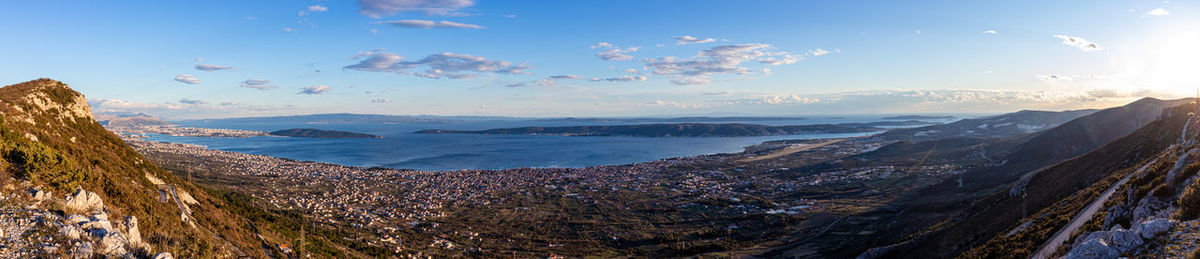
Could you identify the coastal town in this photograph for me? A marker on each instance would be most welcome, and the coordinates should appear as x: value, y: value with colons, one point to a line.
x: 511, y: 211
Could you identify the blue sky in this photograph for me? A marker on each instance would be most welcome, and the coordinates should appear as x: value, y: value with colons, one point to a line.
x: 548, y: 58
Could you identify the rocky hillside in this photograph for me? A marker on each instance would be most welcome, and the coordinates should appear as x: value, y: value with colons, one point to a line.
x: 70, y: 188
x: 1015, y: 220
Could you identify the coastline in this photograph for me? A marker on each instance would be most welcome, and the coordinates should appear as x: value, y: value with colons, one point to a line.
x: 391, y: 206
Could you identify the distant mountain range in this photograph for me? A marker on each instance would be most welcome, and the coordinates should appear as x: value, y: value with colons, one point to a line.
x: 316, y: 133
x: 689, y: 129
x: 918, y: 117
x: 671, y: 119
x: 346, y: 118
x: 1004, y: 125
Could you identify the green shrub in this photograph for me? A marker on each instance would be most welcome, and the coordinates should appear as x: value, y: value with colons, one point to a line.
x: 1189, y: 203
x: 39, y: 164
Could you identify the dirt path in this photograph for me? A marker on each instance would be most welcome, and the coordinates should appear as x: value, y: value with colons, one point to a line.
x: 790, y: 150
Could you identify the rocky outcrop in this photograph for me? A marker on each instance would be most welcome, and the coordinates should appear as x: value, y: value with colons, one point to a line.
x: 1154, y: 227
x: 1151, y: 207
x: 1118, y: 240
x: 91, y: 236
x: 1093, y: 248
x: 84, y: 201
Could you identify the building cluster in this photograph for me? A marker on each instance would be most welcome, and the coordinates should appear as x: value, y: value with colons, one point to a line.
x: 387, y: 201
x: 172, y: 130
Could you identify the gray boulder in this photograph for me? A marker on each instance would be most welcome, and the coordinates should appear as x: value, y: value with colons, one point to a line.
x: 1152, y: 228
x: 1093, y: 248
x: 1124, y: 239
x: 1150, y: 207
x: 113, y: 244
x: 84, y: 201
x: 72, y: 232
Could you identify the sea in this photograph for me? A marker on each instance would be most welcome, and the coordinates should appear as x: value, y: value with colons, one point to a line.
x: 401, y: 148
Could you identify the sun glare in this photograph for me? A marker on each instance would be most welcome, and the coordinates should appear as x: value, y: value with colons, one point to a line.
x: 1168, y: 64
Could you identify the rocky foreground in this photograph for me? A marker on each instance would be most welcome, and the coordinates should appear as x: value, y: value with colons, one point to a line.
x: 36, y: 223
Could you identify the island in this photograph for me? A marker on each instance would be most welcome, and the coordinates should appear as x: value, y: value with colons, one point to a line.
x: 688, y: 129
x: 316, y: 133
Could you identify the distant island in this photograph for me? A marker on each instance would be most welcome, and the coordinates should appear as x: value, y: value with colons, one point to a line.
x: 918, y: 117
x: 689, y: 129
x: 316, y: 133
x: 695, y: 119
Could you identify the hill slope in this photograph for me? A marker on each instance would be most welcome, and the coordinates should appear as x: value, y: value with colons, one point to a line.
x: 52, y: 143
x: 1090, y: 148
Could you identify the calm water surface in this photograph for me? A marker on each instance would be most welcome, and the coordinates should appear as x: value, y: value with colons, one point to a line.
x: 401, y: 148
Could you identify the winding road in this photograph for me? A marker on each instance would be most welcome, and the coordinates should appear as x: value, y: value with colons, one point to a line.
x: 1086, y: 215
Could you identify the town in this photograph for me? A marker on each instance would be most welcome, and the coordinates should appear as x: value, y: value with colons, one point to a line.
x: 514, y: 211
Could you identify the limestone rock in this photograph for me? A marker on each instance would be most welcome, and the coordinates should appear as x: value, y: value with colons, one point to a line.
x: 38, y: 195
x: 1151, y: 228
x: 71, y: 231
x: 113, y: 244
x: 82, y: 250
x: 1150, y: 207
x: 76, y: 219
x: 1094, y: 248
x: 84, y: 201
x: 132, y: 233
x: 1124, y: 239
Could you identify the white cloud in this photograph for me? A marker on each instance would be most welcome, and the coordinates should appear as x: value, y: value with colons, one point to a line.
x: 313, y: 9
x: 287, y: 29
x: 187, y: 79
x: 1082, y: 44
x: 621, y: 79
x: 382, y: 100
x: 553, y: 80
x: 726, y: 59
x: 903, y: 101
x: 614, y: 53
x: 1058, y: 78
x: 380, y: 8
x: 207, y: 67
x: 1158, y: 12
x: 192, y: 102
x: 442, y: 65
x: 260, y: 84
x: 111, y: 104
x: 687, y: 39
x: 818, y: 52
x: 566, y: 77
x: 676, y: 104
x: 777, y: 99
x: 427, y: 24
x: 311, y: 90
x: 989, y: 32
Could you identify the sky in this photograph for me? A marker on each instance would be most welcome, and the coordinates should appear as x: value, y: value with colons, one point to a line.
x: 211, y: 59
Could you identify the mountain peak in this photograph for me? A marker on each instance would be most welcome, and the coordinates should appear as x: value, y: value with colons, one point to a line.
x: 45, y: 98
